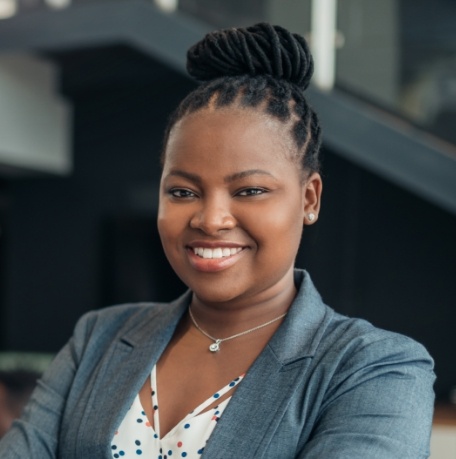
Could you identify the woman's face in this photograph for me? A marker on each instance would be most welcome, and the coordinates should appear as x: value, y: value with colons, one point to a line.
x: 233, y: 204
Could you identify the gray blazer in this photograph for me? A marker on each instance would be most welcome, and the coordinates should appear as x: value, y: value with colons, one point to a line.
x: 324, y: 387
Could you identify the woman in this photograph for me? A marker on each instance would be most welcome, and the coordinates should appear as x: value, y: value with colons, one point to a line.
x: 249, y: 362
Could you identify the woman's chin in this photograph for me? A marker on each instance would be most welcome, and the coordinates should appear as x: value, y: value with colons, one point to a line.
x: 210, y: 295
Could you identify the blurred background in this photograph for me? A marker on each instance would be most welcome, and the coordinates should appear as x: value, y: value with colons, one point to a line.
x: 86, y: 87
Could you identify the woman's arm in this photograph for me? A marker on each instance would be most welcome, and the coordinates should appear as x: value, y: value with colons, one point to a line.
x: 379, y: 405
x: 36, y: 434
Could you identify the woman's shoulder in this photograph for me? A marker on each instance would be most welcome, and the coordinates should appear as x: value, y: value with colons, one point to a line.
x: 120, y: 312
x: 360, y: 339
x: 126, y: 319
x: 347, y: 339
x: 353, y: 349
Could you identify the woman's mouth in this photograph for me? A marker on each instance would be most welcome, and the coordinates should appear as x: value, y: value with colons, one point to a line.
x: 218, y: 252
x: 214, y: 259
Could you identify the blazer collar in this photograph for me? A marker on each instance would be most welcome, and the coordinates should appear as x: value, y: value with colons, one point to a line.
x: 123, y: 371
x: 301, y: 331
x: 158, y: 324
x: 262, y: 399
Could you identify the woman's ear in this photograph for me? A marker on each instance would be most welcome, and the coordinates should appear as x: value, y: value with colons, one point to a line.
x: 312, y: 189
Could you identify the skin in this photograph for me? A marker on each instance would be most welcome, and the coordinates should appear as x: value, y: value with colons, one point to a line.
x: 6, y: 416
x: 228, y: 181
x: 9, y: 410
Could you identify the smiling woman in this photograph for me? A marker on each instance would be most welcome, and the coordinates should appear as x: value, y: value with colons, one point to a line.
x: 230, y: 181
x: 249, y: 362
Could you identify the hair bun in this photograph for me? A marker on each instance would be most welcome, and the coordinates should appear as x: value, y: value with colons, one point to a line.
x: 261, y: 49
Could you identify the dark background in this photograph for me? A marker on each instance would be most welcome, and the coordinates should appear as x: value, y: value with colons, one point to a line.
x: 71, y: 244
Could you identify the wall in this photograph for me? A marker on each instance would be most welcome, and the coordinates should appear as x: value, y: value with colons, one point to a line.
x: 53, y: 252
x: 381, y: 253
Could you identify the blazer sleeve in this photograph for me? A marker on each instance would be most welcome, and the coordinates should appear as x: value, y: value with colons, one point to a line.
x: 36, y: 434
x: 378, y: 406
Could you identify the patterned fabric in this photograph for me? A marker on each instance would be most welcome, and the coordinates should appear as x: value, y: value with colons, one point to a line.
x: 137, y: 437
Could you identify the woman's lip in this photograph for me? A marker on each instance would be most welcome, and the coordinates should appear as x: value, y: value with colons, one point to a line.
x: 215, y: 244
x: 212, y: 265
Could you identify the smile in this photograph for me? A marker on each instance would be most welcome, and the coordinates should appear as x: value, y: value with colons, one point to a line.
x: 218, y: 252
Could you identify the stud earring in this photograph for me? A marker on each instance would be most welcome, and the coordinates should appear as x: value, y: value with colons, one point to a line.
x: 311, y: 217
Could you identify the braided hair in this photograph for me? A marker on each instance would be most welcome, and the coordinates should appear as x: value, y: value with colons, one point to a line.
x: 261, y: 66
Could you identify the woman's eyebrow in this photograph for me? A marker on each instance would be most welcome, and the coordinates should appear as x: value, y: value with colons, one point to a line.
x: 243, y: 174
x: 188, y: 175
x: 229, y: 178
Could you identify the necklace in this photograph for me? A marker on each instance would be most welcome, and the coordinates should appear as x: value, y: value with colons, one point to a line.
x: 215, y: 346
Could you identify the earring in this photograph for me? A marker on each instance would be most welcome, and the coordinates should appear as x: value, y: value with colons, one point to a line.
x: 311, y: 217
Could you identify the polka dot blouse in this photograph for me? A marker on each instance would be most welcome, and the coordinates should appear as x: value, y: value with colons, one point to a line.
x: 136, y: 437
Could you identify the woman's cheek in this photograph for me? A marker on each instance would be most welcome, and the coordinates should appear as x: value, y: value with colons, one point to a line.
x: 281, y: 218
x: 166, y: 230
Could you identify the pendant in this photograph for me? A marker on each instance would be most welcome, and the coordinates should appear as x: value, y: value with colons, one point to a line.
x: 215, y: 347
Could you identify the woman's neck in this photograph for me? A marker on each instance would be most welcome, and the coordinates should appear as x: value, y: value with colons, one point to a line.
x: 223, y: 319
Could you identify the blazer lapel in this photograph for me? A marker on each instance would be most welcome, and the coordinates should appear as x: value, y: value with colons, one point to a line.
x: 123, y: 372
x: 253, y: 415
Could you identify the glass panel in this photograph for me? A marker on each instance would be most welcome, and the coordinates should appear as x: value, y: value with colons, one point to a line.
x: 222, y: 13
x: 401, y: 54
x: 428, y: 64
x: 398, y: 54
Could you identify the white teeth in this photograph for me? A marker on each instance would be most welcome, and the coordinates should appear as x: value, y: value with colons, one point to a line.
x: 216, y: 253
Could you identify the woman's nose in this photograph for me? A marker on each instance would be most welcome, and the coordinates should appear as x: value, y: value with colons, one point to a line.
x: 213, y: 216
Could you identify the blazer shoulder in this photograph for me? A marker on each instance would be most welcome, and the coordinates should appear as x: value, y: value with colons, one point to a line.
x: 117, y: 316
x: 359, y: 340
x: 98, y: 329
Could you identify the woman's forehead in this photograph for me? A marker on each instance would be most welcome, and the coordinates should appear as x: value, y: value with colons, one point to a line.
x: 230, y: 132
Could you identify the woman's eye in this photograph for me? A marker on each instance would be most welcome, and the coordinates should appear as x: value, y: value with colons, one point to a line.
x: 181, y: 193
x: 251, y: 191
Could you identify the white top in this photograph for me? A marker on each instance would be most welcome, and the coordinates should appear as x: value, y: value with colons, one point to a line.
x: 137, y: 437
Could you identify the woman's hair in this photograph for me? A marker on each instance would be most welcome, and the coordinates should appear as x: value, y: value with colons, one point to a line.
x: 261, y: 66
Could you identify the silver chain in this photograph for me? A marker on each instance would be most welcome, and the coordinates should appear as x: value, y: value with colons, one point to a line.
x: 216, y: 345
